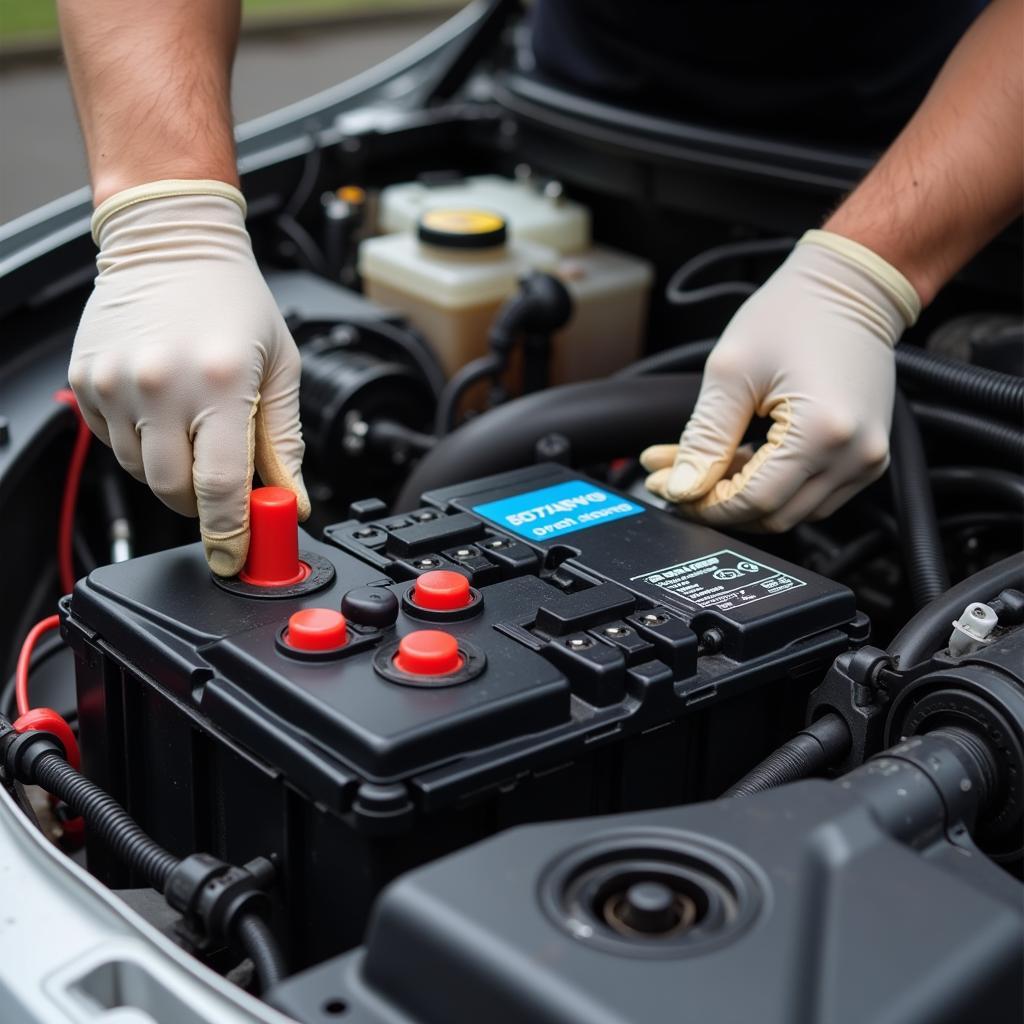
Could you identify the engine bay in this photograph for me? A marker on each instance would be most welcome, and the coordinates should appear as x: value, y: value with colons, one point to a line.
x: 497, y: 732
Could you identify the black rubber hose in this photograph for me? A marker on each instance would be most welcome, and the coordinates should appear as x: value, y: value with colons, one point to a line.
x: 928, y: 631
x: 602, y: 419
x: 107, y: 819
x: 1002, y: 439
x: 991, y: 392
x: 256, y: 938
x: 810, y: 752
x: 688, y: 358
x: 981, y: 481
x: 920, y: 540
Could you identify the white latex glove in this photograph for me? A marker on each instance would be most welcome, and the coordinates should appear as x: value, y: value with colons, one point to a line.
x: 182, y: 362
x: 812, y: 349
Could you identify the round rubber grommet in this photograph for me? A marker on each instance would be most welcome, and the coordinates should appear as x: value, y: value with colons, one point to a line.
x: 320, y: 575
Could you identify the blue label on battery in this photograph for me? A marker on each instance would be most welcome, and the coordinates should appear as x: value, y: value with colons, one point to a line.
x: 558, y: 510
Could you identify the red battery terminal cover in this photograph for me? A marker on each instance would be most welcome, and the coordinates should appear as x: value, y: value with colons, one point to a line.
x: 273, y: 559
x: 442, y: 591
x: 316, y: 629
x: 428, y: 652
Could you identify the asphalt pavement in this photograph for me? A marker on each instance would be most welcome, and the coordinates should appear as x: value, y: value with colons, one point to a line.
x: 41, y: 154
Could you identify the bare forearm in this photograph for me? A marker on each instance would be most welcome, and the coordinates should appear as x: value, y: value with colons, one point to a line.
x: 152, y: 85
x: 955, y: 175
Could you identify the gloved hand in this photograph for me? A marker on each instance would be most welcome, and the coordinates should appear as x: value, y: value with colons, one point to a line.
x: 812, y: 349
x: 182, y: 362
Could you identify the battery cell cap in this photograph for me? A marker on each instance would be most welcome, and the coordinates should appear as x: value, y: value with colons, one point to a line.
x: 316, y: 629
x: 428, y: 652
x: 273, y: 559
x: 442, y: 591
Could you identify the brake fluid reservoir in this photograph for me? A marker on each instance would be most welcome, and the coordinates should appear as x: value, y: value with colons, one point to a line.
x: 450, y: 276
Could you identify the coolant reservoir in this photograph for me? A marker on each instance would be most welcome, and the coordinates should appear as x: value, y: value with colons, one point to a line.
x: 610, y: 291
x: 452, y: 274
x: 532, y: 214
x: 450, y: 277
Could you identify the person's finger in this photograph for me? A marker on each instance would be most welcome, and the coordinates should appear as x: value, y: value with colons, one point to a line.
x: 709, y: 441
x: 80, y: 379
x: 765, y: 483
x: 124, y: 440
x: 94, y: 420
x: 167, y: 462
x: 223, y: 444
x: 841, y: 495
x: 658, y: 480
x: 278, y: 439
x: 814, y: 491
x: 658, y: 456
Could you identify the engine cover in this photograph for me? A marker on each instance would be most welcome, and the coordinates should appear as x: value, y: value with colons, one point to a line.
x: 605, y: 657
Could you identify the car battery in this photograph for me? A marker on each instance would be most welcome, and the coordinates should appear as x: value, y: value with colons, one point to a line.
x: 525, y: 647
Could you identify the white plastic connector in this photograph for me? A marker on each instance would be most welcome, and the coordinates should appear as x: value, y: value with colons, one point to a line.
x: 973, y: 629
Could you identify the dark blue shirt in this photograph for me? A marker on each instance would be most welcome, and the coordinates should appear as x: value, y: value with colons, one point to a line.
x: 829, y: 71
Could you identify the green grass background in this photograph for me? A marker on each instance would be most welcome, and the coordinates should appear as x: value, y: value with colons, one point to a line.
x: 37, y: 19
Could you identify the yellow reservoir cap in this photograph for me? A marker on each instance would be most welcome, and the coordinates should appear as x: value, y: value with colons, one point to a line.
x: 351, y: 194
x: 462, y: 228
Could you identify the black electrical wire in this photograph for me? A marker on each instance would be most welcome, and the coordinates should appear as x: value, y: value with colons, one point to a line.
x: 307, y: 177
x: 810, y: 752
x: 312, y: 258
x: 920, y: 540
x: 997, y: 484
x: 413, y: 346
x: 677, y: 295
x: 855, y: 552
x: 287, y: 219
x: 256, y: 938
x: 875, y: 541
x: 387, y: 434
x: 988, y: 435
x: 126, y: 839
x: 489, y: 365
x: 107, y: 819
x: 928, y: 631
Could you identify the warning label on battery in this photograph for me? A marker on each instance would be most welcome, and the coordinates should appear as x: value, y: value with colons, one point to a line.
x: 722, y: 580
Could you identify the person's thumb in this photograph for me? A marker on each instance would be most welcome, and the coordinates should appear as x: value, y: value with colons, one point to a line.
x: 708, y: 443
x: 279, y: 445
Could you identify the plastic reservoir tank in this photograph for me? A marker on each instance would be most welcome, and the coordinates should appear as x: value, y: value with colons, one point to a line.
x: 456, y: 252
